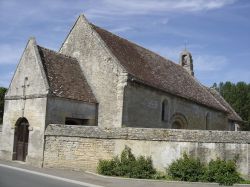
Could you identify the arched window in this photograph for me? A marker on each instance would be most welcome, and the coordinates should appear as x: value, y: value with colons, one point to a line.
x: 164, y: 110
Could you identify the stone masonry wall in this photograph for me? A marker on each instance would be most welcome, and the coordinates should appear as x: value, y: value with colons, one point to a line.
x: 34, y: 112
x: 59, y: 108
x: 140, y: 100
x: 32, y: 107
x: 103, y: 73
x: 80, y: 148
x: 76, y: 153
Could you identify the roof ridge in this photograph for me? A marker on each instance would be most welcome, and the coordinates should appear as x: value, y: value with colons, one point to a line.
x: 57, y: 53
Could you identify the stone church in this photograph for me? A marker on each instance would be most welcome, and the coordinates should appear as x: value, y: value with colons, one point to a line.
x: 100, y: 79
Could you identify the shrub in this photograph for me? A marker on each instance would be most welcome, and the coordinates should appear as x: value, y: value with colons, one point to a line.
x: 223, y: 172
x: 109, y: 167
x: 127, y: 166
x: 159, y: 175
x: 143, y: 168
x: 186, y: 169
x: 191, y: 169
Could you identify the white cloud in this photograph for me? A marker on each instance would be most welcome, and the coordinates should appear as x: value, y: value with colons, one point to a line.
x: 121, y: 29
x: 173, y: 52
x: 209, y: 63
x: 58, y: 13
x: 140, y: 7
x: 202, y: 62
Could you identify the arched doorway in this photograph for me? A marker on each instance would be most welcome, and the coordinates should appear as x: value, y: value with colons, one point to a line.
x: 21, y: 139
x: 177, y: 125
x: 179, y: 121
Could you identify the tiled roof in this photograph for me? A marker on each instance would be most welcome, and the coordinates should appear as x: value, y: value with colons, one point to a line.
x: 232, y: 114
x: 153, y: 70
x: 65, y: 77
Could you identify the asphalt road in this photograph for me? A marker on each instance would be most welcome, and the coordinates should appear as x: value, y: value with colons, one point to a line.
x: 13, y: 174
x: 16, y: 177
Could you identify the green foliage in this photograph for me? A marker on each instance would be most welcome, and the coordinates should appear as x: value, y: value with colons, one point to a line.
x: 128, y: 166
x: 223, y: 172
x: 2, y: 94
x: 186, y: 169
x: 238, y: 96
x: 161, y: 176
x: 109, y: 167
x: 245, y: 182
x: 191, y: 169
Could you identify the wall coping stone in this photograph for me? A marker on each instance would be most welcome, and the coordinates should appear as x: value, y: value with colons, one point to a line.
x: 148, y: 134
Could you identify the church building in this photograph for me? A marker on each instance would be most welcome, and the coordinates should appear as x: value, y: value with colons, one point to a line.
x: 99, y: 79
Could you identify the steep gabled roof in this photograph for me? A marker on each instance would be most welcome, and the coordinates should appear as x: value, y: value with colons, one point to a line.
x: 155, y: 71
x: 232, y: 114
x: 66, y: 80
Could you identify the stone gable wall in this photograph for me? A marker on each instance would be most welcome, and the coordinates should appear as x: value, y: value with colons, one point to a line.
x: 80, y: 148
x: 30, y: 66
x: 32, y: 107
x: 103, y: 73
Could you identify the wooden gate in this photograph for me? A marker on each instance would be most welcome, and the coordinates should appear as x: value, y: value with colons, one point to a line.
x: 21, y: 140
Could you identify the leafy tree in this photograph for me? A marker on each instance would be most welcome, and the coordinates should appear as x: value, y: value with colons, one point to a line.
x: 2, y: 94
x: 238, y: 96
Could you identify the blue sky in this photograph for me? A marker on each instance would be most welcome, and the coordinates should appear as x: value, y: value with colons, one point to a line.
x: 217, y: 31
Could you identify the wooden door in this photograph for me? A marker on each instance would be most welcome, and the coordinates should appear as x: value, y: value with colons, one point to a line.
x: 21, y: 141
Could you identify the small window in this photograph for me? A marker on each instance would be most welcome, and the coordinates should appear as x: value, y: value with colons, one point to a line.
x: 164, y: 111
x: 76, y: 121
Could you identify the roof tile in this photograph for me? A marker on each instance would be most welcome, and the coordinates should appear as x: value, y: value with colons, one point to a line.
x: 65, y: 77
x: 151, y: 69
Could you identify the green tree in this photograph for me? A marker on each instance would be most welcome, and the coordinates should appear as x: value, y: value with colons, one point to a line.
x: 2, y: 94
x: 238, y: 96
